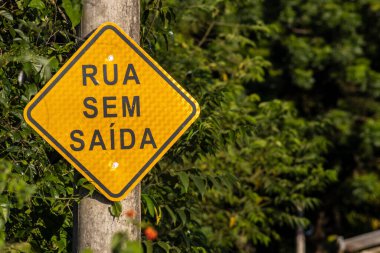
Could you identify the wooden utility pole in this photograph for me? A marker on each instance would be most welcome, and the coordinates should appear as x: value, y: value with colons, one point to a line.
x: 94, y: 225
x: 300, y: 241
x: 300, y: 235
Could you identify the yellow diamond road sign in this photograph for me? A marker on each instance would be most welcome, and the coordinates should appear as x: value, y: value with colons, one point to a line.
x: 111, y: 111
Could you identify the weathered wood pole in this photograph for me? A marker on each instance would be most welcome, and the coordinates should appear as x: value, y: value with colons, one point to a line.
x: 94, y: 225
x: 300, y: 241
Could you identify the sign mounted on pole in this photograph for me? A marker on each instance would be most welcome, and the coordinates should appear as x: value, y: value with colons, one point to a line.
x: 111, y: 111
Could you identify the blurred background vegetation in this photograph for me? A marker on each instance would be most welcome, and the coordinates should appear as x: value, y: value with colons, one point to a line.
x: 288, y: 137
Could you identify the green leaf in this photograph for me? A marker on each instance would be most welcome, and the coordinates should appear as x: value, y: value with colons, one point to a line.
x: 133, y: 247
x: 176, y: 249
x: 149, y: 203
x: 6, y: 15
x: 184, y: 178
x: 215, y: 183
x: 19, y: 247
x: 164, y: 246
x: 199, y: 249
x: 73, y: 10
x: 31, y: 90
x: 90, y: 187
x: 200, y: 183
x: 22, y: 35
x: 38, y: 4
x: 116, y: 209
x: 81, y: 181
x: 172, y: 214
x: 148, y: 246
x: 4, y: 210
x: 182, y: 215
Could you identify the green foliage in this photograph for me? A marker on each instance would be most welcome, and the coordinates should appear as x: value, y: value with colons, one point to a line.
x: 247, y: 167
x: 289, y: 130
x: 279, y: 167
x: 15, y: 192
x: 120, y: 244
x: 115, y: 209
x: 37, y: 185
x: 325, y: 59
x: 73, y: 10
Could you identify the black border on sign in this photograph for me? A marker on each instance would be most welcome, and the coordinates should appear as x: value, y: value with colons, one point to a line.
x: 67, y: 68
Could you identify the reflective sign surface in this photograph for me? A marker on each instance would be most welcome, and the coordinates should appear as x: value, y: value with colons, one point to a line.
x: 111, y: 111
